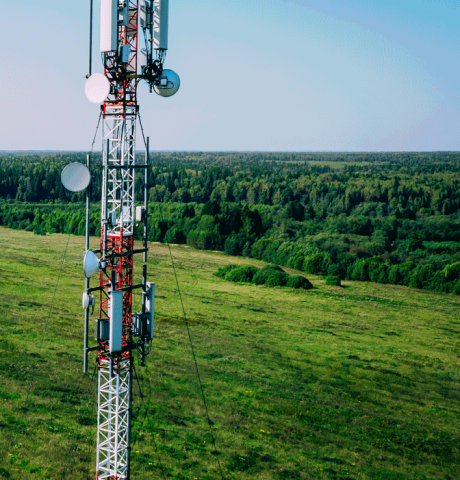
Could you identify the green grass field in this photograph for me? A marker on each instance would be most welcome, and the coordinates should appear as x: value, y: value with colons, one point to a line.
x: 353, y: 382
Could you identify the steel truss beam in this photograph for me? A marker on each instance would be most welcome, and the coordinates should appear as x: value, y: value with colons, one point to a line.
x: 114, y: 392
x: 119, y: 133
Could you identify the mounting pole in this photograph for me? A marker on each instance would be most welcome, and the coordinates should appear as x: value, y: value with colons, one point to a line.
x: 143, y: 317
x: 85, y: 337
x: 105, y: 187
x: 90, y: 37
x: 146, y: 198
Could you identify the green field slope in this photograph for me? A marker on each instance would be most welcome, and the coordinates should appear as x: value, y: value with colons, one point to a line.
x: 353, y: 382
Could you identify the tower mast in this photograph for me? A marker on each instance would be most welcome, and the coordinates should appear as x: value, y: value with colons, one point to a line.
x: 114, y: 358
x: 119, y: 330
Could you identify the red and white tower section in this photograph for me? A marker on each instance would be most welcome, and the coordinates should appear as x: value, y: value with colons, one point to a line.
x: 119, y: 330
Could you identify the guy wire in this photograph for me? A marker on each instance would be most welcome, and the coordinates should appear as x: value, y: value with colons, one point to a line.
x: 141, y: 428
x: 194, y: 357
x: 95, y: 133
x: 189, y: 335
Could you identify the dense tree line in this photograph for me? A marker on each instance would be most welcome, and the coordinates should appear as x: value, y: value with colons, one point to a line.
x: 384, y: 217
x: 338, y: 182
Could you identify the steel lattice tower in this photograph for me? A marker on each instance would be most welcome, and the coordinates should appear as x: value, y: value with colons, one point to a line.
x: 118, y: 330
x: 119, y: 158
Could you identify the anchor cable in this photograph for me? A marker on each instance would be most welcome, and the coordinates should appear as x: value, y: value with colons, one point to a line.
x: 194, y: 359
x: 190, y: 337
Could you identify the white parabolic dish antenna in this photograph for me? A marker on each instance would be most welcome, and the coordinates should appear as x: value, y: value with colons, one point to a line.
x: 75, y: 177
x: 90, y: 264
x: 168, y: 83
x: 97, y: 87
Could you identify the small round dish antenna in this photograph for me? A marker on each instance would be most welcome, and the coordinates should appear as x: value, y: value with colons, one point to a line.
x: 75, y: 177
x: 97, y: 87
x: 91, y: 264
x: 87, y: 301
x: 167, y: 83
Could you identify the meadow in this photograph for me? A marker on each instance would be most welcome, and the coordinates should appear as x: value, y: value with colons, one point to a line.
x: 354, y: 382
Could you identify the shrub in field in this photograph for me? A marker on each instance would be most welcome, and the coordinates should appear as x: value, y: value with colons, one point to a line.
x: 261, y: 276
x: 222, y: 271
x: 245, y: 273
x: 276, y: 279
x: 297, y: 281
x: 333, y: 280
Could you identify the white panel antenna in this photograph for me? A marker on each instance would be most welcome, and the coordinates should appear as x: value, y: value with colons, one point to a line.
x: 161, y: 15
x: 116, y: 320
x: 75, y: 177
x: 109, y: 25
x: 140, y: 212
x: 150, y: 308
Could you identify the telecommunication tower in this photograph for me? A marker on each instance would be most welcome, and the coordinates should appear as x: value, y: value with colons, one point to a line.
x: 118, y: 330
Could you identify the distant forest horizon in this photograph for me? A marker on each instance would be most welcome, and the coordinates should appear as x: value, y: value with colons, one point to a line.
x: 386, y: 217
x: 352, y: 152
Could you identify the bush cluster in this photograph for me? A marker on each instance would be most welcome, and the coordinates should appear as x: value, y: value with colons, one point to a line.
x: 270, y: 276
x: 333, y: 280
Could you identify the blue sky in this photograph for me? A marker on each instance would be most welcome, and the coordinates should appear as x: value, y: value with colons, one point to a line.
x: 302, y: 75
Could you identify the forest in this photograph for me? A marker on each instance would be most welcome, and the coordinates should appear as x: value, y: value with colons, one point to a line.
x: 380, y: 217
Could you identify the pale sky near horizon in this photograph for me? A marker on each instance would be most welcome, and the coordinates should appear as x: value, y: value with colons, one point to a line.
x: 263, y: 75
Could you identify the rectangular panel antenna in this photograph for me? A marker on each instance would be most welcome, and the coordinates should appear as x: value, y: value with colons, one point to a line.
x: 109, y: 25
x: 161, y: 14
x: 116, y: 319
x: 150, y: 307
